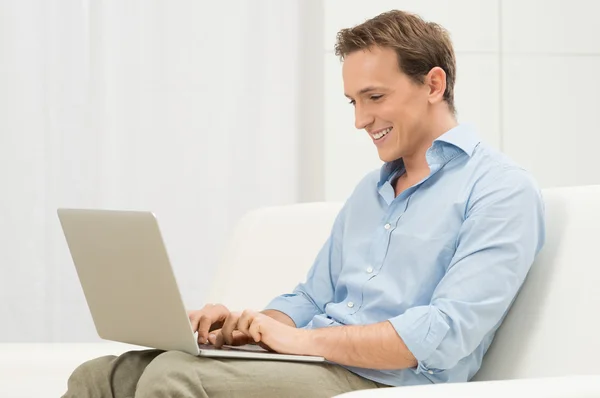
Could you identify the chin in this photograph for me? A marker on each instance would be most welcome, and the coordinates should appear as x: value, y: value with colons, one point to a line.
x: 388, y: 157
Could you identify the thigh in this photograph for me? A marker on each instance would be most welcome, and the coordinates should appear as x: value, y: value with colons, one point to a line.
x: 183, y: 375
x: 109, y: 376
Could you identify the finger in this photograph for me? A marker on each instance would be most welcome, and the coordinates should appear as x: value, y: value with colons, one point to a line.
x: 240, y: 338
x: 194, y: 319
x: 203, y: 329
x: 245, y: 321
x: 209, y: 318
x: 217, y: 313
x: 219, y: 340
x: 254, y: 330
x: 212, y: 337
x: 229, y: 326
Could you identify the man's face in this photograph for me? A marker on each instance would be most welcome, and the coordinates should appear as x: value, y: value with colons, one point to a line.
x: 388, y: 104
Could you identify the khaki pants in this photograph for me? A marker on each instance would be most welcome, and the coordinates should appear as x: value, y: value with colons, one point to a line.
x: 155, y: 373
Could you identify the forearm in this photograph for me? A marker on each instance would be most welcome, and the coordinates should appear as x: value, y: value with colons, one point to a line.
x: 376, y: 346
x: 280, y: 316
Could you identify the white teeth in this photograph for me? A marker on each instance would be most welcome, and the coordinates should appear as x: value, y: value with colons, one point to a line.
x: 381, y: 134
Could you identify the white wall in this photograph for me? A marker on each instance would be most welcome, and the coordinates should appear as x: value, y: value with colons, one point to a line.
x: 550, y: 88
x: 135, y: 105
x: 527, y: 79
x: 160, y: 106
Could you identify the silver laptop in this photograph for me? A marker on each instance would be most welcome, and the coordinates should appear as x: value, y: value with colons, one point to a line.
x: 130, y: 288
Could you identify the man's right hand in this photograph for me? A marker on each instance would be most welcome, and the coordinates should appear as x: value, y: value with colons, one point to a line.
x: 208, y: 323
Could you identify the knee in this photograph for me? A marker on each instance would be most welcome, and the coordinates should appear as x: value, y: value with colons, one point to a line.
x: 94, y: 368
x: 91, y: 373
x: 169, y: 361
x: 170, y: 374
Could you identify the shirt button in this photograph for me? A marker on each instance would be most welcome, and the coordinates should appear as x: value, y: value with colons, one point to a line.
x: 350, y: 304
x: 387, y: 226
x: 430, y: 372
x: 369, y: 270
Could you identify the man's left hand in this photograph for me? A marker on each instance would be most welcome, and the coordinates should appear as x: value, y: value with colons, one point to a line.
x: 267, y: 332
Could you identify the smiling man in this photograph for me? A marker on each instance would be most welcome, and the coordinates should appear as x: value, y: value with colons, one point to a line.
x: 422, y: 264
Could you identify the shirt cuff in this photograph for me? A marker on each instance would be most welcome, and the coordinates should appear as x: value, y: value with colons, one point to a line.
x: 422, y: 329
x: 296, y: 306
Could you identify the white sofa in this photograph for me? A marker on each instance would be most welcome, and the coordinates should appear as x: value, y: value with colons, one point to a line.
x: 547, y: 346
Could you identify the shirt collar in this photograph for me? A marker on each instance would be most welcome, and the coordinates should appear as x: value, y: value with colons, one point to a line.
x: 462, y: 137
x: 388, y: 169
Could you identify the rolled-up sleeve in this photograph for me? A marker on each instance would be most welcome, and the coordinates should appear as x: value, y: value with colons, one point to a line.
x: 310, y: 297
x: 502, y: 233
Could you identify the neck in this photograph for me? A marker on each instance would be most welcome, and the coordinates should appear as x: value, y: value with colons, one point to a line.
x: 415, y: 163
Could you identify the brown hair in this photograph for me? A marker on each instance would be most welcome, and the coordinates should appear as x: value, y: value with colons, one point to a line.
x: 419, y: 45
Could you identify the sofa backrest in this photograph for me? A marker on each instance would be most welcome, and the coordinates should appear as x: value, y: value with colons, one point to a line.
x: 552, y: 328
x: 270, y: 252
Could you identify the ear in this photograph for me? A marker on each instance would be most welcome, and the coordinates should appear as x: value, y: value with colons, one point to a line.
x: 436, y: 81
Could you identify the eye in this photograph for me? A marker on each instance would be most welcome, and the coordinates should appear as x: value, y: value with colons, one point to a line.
x: 376, y: 97
x: 352, y: 102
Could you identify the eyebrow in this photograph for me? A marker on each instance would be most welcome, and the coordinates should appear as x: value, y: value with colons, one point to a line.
x: 367, y: 90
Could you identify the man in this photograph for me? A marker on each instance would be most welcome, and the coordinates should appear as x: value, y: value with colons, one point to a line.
x: 422, y: 264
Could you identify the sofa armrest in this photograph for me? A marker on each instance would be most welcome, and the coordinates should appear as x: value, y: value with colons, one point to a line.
x: 551, y: 387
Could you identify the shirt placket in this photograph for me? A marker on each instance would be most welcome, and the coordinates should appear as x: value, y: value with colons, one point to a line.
x: 383, y: 234
x: 381, y: 240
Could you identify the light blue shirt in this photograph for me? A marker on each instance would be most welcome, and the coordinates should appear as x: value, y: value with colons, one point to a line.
x: 442, y: 262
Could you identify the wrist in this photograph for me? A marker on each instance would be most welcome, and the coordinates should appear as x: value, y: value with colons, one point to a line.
x: 311, y: 342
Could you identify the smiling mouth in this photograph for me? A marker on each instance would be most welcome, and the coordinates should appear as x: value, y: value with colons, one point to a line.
x: 381, y: 134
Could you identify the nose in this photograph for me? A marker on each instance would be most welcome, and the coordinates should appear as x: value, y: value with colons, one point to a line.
x: 361, y: 118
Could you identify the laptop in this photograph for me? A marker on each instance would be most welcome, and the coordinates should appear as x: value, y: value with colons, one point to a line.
x: 129, y: 285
